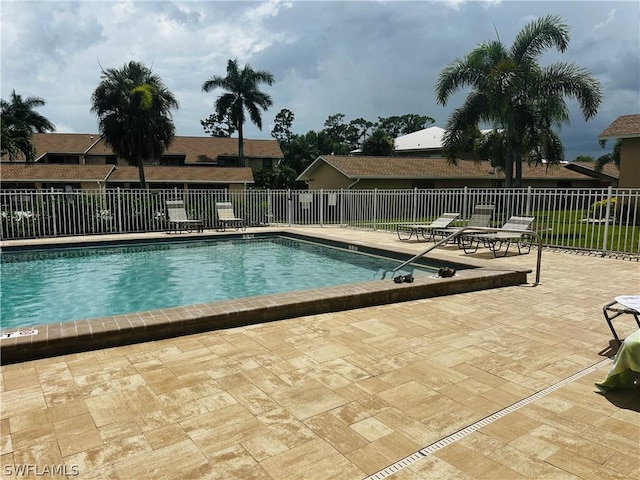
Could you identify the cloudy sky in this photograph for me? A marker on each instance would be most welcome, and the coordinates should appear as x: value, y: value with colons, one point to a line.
x: 365, y: 59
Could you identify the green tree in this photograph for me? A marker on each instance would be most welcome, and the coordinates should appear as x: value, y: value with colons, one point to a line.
x: 19, y: 121
x: 218, y: 126
x: 613, y: 157
x: 282, y: 126
x: 513, y: 93
x: 584, y: 159
x: 396, y: 126
x: 361, y: 128
x: 378, y: 144
x: 242, y: 92
x: 133, y: 107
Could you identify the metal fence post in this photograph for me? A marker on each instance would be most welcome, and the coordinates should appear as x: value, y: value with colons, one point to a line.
x: 375, y: 209
x: 414, y: 216
x: 605, y: 240
x: 528, y: 208
x: 320, y: 207
x: 119, y: 209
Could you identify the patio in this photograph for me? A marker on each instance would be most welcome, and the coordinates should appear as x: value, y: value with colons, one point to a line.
x: 348, y: 394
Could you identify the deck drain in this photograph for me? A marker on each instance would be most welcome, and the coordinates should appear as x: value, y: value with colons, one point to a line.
x: 454, y: 437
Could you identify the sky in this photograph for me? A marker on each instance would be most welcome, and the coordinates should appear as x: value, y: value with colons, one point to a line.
x: 364, y: 59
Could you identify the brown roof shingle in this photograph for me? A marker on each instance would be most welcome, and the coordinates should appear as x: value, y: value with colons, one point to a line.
x: 195, y: 149
x: 35, y: 172
x: 51, y: 172
x: 171, y: 174
x: 421, y: 167
x: 625, y: 126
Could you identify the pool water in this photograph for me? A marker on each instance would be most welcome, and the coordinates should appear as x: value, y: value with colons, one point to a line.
x: 72, y: 284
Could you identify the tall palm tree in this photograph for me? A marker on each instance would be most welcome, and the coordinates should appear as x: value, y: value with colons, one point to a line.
x: 242, y: 93
x: 133, y: 107
x: 510, y: 90
x: 19, y: 120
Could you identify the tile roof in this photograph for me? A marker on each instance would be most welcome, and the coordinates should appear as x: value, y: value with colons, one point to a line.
x: 625, y: 126
x: 420, y: 167
x: 50, y: 172
x: 35, y: 172
x: 195, y: 149
x: 188, y: 174
x: 610, y: 170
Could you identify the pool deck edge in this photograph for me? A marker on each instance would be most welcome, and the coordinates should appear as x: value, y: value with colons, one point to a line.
x: 93, y: 334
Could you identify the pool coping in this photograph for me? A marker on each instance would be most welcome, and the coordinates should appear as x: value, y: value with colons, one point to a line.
x: 41, y: 341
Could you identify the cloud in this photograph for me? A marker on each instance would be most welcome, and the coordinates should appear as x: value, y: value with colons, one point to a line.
x: 361, y: 58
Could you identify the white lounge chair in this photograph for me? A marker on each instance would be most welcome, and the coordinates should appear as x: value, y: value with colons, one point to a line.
x: 178, y: 219
x: 629, y: 304
x: 496, y: 240
x: 428, y: 231
x: 481, y: 217
x: 227, y: 217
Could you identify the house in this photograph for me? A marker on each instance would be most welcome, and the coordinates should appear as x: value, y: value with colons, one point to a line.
x: 189, y: 162
x: 361, y: 172
x: 627, y: 129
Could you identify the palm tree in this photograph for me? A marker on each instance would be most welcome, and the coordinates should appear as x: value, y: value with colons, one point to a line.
x: 242, y: 93
x: 19, y: 121
x: 513, y: 93
x: 133, y: 107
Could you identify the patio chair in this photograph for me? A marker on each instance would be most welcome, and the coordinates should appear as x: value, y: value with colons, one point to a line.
x: 629, y: 304
x: 481, y: 217
x: 495, y: 241
x: 178, y: 220
x: 227, y: 217
x: 427, y: 232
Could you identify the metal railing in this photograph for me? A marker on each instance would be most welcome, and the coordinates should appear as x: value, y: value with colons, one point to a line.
x: 601, y: 220
x: 462, y: 231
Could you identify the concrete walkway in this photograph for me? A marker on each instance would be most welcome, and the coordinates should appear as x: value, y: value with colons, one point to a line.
x: 347, y: 395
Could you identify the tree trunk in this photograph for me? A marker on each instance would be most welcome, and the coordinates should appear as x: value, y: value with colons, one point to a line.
x: 518, y: 160
x: 143, y: 183
x: 508, y: 168
x: 241, y: 161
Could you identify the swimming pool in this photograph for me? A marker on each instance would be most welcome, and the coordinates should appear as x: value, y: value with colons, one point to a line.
x: 52, y: 286
x: 26, y: 343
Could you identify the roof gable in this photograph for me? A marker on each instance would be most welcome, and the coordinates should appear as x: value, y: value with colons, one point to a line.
x: 625, y: 126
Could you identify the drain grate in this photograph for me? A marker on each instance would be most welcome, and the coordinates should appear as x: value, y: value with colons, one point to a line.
x: 454, y: 437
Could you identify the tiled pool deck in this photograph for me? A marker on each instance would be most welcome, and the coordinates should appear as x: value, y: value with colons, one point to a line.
x: 347, y: 394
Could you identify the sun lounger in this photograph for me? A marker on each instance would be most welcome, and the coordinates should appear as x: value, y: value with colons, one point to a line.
x: 481, y: 217
x: 227, y: 217
x: 178, y: 219
x: 495, y: 241
x: 629, y: 304
x: 427, y: 232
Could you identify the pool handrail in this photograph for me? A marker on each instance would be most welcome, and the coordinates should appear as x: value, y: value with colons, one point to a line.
x: 457, y: 234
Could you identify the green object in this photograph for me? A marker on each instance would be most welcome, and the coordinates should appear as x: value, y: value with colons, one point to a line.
x: 626, y: 365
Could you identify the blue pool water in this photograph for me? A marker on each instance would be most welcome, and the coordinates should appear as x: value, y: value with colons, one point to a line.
x: 71, y: 284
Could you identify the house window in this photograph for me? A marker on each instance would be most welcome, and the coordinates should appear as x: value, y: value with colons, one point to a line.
x: 267, y: 163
